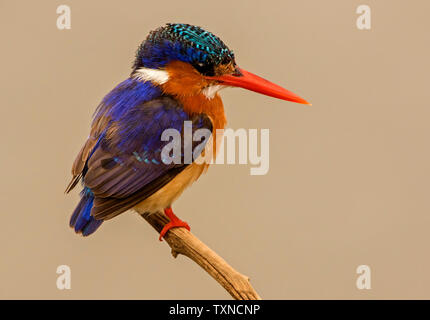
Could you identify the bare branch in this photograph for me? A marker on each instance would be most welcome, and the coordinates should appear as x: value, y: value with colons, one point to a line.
x: 181, y: 241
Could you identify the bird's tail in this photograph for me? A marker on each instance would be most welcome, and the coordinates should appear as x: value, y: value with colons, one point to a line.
x: 81, y: 219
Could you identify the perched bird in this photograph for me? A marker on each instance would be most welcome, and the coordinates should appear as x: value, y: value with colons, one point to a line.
x: 176, y: 76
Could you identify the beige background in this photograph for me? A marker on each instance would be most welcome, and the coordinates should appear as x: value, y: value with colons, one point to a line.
x: 348, y: 181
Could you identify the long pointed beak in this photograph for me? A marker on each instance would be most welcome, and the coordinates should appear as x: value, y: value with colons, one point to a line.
x: 250, y: 81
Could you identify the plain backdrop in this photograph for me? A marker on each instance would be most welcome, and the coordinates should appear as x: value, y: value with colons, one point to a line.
x: 349, y: 176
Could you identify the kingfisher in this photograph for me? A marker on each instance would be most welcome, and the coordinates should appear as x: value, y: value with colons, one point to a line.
x: 175, y: 79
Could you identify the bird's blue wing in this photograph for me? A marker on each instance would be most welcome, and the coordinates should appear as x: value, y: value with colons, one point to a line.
x: 121, y: 163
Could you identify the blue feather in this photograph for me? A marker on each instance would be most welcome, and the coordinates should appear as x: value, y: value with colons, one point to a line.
x: 81, y: 219
x: 128, y: 94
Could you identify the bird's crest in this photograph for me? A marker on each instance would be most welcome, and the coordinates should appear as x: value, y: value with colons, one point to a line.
x: 184, y: 42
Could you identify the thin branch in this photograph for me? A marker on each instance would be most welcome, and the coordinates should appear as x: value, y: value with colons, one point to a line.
x: 181, y: 241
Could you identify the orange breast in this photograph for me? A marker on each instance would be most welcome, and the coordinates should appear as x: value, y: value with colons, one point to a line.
x: 212, y: 107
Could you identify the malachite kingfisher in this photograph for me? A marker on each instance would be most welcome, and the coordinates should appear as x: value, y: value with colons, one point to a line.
x: 175, y: 78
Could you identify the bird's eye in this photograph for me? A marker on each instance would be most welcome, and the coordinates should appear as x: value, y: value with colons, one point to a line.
x: 206, y: 69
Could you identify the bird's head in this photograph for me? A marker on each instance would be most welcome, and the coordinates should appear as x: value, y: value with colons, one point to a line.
x: 187, y: 60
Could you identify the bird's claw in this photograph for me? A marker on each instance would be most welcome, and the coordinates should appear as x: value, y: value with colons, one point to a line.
x: 173, y: 224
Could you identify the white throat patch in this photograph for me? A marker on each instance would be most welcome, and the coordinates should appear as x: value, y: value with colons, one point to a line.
x: 154, y: 75
x: 212, y: 90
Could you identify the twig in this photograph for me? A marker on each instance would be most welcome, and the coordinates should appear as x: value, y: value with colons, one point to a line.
x: 181, y: 241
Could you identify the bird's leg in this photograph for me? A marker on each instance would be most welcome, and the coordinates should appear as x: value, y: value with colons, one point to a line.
x: 175, y: 222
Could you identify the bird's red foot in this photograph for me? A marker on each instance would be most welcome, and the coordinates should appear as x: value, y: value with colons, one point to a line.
x: 175, y: 222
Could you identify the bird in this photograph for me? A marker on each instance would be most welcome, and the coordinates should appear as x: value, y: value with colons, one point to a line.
x: 175, y: 79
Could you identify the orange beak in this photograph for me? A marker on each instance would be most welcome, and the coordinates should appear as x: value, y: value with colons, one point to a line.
x: 250, y: 81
